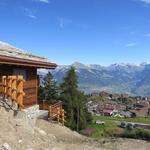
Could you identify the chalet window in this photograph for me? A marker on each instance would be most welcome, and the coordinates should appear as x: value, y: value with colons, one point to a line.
x: 20, y: 71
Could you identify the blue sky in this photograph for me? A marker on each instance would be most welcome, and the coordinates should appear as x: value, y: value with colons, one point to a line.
x: 89, y: 31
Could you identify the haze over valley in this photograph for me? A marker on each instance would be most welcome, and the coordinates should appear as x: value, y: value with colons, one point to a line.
x: 116, y: 78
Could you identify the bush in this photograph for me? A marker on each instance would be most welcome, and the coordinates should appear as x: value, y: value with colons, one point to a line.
x: 137, y: 134
x: 87, y: 131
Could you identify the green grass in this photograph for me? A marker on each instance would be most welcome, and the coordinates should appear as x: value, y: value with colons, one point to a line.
x: 139, y: 120
x: 111, y: 126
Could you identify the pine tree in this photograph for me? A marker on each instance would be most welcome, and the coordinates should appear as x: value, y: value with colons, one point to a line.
x: 41, y: 94
x: 69, y: 96
x: 49, y: 88
x: 74, y: 101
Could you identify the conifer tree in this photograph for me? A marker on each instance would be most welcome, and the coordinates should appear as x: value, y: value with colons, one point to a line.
x: 41, y: 94
x: 50, y: 88
x: 74, y: 102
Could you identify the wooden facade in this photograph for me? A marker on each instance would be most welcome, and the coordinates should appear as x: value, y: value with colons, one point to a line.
x: 30, y: 86
x: 28, y: 69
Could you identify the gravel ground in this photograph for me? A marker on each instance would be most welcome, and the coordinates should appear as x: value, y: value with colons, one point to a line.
x: 15, y: 134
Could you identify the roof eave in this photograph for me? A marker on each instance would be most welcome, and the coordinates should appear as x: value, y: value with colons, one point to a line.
x: 26, y: 62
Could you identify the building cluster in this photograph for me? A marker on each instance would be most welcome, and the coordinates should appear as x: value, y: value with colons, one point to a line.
x: 116, y: 110
x: 116, y: 106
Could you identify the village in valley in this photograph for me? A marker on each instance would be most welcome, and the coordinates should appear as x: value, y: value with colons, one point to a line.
x: 114, y: 114
x: 118, y: 105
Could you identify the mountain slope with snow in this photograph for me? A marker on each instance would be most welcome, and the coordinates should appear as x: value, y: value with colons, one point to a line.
x: 117, y: 78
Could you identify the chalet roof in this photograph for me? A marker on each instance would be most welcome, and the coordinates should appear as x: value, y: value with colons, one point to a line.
x: 13, y: 54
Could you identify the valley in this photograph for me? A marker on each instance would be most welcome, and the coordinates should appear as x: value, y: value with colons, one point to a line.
x: 116, y: 78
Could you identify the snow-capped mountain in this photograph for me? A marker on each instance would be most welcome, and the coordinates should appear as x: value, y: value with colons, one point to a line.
x: 117, y: 78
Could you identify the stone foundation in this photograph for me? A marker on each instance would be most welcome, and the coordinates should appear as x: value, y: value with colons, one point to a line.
x: 25, y: 117
x: 30, y: 115
x: 32, y: 112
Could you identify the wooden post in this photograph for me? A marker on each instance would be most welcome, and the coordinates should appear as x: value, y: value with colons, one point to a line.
x: 50, y: 113
x: 63, y: 117
x: 4, y: 84
x: 14, y: 89
x: 58, y: 115
x: 56, y: 111
x: 20, y: 93
x: 9, y: 86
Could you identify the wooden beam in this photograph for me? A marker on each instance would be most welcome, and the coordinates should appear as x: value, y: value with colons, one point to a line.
x: 26, y: 62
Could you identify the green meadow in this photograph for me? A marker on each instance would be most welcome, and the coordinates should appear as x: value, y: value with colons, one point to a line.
x: 111, y: 127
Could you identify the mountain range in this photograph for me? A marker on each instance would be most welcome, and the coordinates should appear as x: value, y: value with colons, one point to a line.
x: 117, y: 78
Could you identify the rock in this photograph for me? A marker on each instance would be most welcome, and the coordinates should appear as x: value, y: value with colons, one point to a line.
x: 42, y: 132
x: 6, y: 146
x: 20, y: 141
x: 52, y: 138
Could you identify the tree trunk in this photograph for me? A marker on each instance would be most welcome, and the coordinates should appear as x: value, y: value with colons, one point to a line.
x: 78, y: 116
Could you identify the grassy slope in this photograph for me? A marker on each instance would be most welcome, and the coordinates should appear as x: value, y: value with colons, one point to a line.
x: 112, y: 125
x: 139, y: 120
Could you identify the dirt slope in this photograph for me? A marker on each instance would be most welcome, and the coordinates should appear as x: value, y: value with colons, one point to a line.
x: 16, y: 135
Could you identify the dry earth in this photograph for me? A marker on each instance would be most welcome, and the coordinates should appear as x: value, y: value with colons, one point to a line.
x: 15, y: 134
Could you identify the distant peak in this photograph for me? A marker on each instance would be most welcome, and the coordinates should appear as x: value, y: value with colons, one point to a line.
x: 78, y: 65
x: 144, y: 63
x: 123, y: 64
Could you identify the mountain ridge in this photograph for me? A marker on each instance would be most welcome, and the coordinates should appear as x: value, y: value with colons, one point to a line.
x: 116, y: 78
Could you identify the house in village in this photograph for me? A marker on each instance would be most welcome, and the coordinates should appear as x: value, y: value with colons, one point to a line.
x: 104, y: 93
x: 14, y: 62
x: 141, y: 109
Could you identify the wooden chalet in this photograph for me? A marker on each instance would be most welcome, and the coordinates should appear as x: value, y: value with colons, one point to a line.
x: 14, y: 62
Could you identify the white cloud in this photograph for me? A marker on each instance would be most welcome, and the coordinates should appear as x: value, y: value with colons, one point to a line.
x: 146, y: 1
x: 131, y: 44
x: 29, y: 13
x: 43, y: 1
x: 63, y: 22
x: 32, y: 16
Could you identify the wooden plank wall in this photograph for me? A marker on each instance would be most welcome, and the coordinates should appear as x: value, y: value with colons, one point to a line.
x: 30, y: 86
